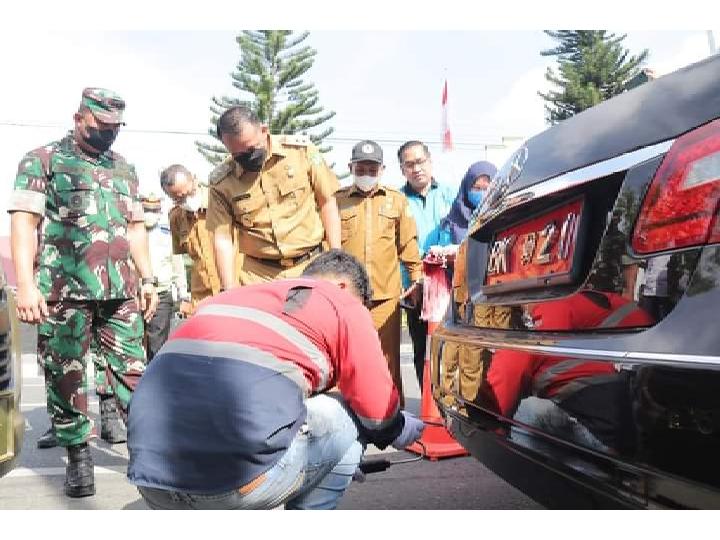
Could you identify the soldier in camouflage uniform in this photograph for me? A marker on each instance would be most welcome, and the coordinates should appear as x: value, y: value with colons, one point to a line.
x: 78, y: 244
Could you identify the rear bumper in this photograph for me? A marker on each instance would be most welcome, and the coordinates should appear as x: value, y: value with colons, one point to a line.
x: 551, y: 483
x: 665, y: 468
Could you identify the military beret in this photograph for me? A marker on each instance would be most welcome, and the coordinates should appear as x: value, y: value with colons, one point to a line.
x: 105, y: 105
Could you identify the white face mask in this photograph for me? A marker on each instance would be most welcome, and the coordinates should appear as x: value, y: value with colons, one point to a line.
x: 192, y: 204
x: 365, y: 183
x: 151, y: 219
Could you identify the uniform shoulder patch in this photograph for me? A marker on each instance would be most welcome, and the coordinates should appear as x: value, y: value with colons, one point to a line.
x: 220, y: 172
x: 296, y: 140
x: 315, y: 156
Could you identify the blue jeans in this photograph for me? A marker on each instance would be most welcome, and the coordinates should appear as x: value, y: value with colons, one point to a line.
x: 312, y: 475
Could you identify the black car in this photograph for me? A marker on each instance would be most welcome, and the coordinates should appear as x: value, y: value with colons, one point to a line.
x: 580, y: 359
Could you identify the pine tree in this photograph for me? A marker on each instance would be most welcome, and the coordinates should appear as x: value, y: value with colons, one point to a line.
x: 269, y: 79
x: 593, y: 66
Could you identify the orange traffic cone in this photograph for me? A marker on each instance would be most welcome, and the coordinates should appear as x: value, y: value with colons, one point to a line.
x: 436, y: 440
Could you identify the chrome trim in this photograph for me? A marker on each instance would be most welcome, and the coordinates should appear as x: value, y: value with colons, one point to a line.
x: 625, y: 357
x: 575, y: 178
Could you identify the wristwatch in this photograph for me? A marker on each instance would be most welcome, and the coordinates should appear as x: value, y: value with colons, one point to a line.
x: 150, y: 281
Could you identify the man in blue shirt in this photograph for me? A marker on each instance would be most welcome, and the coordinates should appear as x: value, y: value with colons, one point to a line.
x: 429, y: 202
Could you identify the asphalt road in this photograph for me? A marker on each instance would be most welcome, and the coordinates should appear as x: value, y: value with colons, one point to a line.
x: 37, y: 481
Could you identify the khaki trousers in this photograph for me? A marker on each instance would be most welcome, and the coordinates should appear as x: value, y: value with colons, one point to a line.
x: 386, y: 317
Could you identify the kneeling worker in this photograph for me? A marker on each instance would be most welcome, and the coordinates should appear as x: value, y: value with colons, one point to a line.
x: 234, y: 411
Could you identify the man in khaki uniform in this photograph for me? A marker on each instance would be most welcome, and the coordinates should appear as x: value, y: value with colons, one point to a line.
x: 379, y: 230
x: 189, y: 233
x: 277, y: 193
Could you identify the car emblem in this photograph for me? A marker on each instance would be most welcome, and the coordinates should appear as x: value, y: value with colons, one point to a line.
x: 517, y: 164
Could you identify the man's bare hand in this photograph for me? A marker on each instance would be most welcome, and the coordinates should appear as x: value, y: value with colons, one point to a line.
x: 31, y: 306
x: 185, y: 309
x: 412, y: 295
x: 148, y: 301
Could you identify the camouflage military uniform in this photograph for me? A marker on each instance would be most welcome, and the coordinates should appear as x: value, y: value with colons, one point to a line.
x: 86, y: 274
x: 274, y: 211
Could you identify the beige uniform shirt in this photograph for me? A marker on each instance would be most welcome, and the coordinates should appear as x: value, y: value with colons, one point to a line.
x: 275, y: 210
x: 380, y: 231
x: 190, y: 235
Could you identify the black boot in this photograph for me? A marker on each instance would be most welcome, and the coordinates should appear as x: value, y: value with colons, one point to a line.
x: 48, y: 439
x: 111, y: 427
x: 79, y: 474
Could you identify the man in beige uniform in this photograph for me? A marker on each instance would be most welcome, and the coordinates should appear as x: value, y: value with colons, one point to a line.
x: 189, y: 233
x: 277, y: 193
x: 379, y: 230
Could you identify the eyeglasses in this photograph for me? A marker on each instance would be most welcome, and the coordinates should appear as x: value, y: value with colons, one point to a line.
x: 410, y: 165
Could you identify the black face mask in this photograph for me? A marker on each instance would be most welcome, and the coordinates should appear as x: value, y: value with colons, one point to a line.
x: 100, y: 139
x: 252, y: 160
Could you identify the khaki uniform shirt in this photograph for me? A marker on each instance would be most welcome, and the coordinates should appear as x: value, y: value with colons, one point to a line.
x: 380, y: 231
x: 190, y: 235
x: 275, y: 210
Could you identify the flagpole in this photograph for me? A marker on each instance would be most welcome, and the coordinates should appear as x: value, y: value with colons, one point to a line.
x: 446, y: 135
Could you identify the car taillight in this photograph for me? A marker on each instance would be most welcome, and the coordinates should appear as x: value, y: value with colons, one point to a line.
x: 680, y: 208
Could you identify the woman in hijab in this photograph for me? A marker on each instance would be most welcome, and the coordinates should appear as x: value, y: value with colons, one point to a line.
x: 470, y: 195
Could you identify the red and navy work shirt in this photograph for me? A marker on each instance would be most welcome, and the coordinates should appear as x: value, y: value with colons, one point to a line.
x: 224, y: 397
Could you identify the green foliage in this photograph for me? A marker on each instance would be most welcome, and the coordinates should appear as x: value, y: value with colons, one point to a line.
x: 592, y: 66
x: 269, y: 78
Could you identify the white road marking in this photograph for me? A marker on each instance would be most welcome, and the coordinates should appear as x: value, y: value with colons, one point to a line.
x: 24, y: 472
x: 91, y: 402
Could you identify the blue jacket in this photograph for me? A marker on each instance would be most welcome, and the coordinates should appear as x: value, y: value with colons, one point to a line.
x: 429, y: 212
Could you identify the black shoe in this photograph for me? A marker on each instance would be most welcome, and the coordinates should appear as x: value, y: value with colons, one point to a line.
x: 111, y: 427
x: 48, y: 439
x: 79, y: 474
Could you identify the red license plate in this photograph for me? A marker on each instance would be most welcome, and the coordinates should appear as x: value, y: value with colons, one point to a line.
x: 537, y: 252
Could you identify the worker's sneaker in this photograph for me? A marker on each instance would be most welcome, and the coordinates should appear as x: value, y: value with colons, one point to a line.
x: 48, y: 439
x: 79, y: 474
x: 111, y: 427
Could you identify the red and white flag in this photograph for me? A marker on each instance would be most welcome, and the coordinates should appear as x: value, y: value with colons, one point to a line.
x: 446, y: 137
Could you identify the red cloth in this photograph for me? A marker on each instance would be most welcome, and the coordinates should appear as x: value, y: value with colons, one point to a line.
x: 436, y: 292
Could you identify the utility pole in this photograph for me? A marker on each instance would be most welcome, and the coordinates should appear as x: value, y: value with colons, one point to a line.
x: 711, y: 42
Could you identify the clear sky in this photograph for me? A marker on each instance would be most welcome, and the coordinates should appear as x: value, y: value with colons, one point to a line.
x: 384, y: 85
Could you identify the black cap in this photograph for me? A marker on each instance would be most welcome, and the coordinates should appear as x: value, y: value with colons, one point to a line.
x: 367, y: 151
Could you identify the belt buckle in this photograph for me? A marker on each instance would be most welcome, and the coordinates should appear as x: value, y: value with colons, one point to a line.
x: 287, y: 263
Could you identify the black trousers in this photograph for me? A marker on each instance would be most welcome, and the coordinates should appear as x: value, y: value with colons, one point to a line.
x: 418, y: 334
x: 158, y: 328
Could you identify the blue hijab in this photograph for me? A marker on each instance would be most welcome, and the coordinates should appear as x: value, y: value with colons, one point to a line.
x: 461, y: 210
